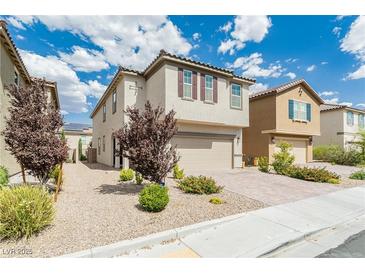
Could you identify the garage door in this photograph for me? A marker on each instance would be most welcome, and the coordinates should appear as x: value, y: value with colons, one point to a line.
x: 299, y: 149
x: 203, y: 153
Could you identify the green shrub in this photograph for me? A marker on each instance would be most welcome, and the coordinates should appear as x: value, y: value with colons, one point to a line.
x: 264, y: 164
x: 312, y: 174
x: 55, y: 172
x: 4, y: 176
x: 216, y: 201
x: 154, y: 198
x: 126, y: 174
x: 83, y: 157
x: 177, y: 172
x: 358, y: 175
x: 283, y: 159
x: 199, y: 185
x: 337, y: 155
x: 24, y: 210
x: 139, y: 178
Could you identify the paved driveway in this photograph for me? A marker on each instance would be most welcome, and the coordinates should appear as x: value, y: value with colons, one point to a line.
x: 271, y: 189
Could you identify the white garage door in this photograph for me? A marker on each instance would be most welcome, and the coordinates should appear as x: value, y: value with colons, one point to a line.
x: 203, y: 153
x: 299, y: 149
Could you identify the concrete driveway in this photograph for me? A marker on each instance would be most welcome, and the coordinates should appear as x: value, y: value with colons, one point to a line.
x: 271, y: 189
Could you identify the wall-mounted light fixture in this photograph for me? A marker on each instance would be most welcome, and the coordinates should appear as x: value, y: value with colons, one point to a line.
x: 273, y: 140
x: 310, y: 140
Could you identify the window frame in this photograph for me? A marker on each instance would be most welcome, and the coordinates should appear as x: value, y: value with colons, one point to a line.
x: 114, y: 101
x: 104, y: 143
x: 16, y: 77
x: 363, y: 120
x: 296, y: 118
x: 207, y: 88
x: 352, y: 119
x: 188, y: 84
x: 99, y: 146
x: 104, y: 112
x: 233, y: 95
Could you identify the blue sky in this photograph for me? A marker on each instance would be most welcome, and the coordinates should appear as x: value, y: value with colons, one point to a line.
x: 81, y: 53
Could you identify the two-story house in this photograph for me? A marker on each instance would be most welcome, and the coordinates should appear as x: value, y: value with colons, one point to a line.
x: 13, y: 71
x: 211, y: 106
x: 290, y: 113
x: 340, y: 125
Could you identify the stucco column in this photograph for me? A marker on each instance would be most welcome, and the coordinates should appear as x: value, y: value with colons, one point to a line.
x: 237, y: 150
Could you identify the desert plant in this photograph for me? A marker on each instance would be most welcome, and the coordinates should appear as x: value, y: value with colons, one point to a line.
x: 4, y: 176
x: 358, y: 175
x: 24, y: 210
x: 312, y: 174
x: 154, y: 197
x: 263, y: 163
x: 216, y: 201
x: 337, y: 155
x: 83, y: 157
x: 199, y: 185
x: 178, y: 173
x: 32, y: 130
x: 79, y: 149
x: 126, y: 174
x: 139, y: 178
x: 55, y: 172
x: 283, y: 159
x: 145, y: 141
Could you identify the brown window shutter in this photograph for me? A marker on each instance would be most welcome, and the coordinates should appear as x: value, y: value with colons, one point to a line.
x: 180, y: 83
x: 202, y: 86
x: 215, y: 90
x: 195, y: 88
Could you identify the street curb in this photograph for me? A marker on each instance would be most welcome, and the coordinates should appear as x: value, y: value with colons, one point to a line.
x: 126, y: 246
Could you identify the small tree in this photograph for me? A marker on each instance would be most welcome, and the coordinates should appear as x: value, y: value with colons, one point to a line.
x: 283, y: 159
x: 145, y: 141
x: 31, y: 130
x: 80, y: 149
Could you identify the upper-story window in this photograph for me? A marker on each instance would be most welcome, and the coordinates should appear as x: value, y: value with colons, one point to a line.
x: 99, y: 145
x: 104, y: 113
x: 16, y: 78
x: 361, y: 121
x: 114, y: 101
x: 236, y: 96
x: 300, y: 111
x: 188, y: 84
x: 209, y: 88
x: 104, y: 143
x: 350, y: 118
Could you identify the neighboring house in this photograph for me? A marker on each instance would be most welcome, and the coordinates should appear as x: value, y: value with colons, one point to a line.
x: 211, y: 106
x: 13, y: 71
x: 290, y: 113
x: 73, y: 133
x: 340, y: 125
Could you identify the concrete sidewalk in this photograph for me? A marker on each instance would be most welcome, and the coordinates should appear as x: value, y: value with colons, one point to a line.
x: 264, y: 232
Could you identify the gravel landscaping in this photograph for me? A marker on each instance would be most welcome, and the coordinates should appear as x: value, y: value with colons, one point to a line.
x: 95, y: 209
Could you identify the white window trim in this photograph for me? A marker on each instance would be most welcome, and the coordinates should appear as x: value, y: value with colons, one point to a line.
x: 212, y: 88
x: 353, y: 119
x: 363, y: 119
x: 114, y: 103
x: 184, y: 96
x: 232, y: 95
x: 306, y: 114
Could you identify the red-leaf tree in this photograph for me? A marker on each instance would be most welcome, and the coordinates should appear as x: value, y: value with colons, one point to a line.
x: 31, y: 132
x: 145, y: 141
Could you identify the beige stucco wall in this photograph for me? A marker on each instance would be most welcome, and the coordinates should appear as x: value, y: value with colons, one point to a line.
x: 332, y: 122
x: 7, y: 68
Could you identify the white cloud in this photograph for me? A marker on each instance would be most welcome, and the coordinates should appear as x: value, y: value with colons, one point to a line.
x: 250, y: 66
x: 332, y: 101
x: 15, y: 23
x: 291, y: 60
x: 328, y: 93
x: 362, y: 105
x: 72, y: 92
x: 257, y: 87
x: 349, y: 104
x: 246, y: 28
x: 196, y: 36
x: 227, y: 27
x: 311, y: 68
x: 354, y: 41
x: 20, y: 37
x: 337, y: 31
x: 131, y: 41
x: 358, y: 74
x: 291, y: 75
x: 324, y: 63
x: 85, y: 60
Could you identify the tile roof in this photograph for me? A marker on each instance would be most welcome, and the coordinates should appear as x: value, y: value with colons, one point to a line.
x: 328, y: 107
x: 76, y: 126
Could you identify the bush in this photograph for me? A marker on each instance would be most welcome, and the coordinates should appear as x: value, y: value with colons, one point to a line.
x: 4, y: 176
x: 216, y: 201
x: 358, y: 175
x: 154, y: 198
x: 312, y: 174
x: 177, y: 172
x: 264, y: 164
x: 199, y: 185
x: 55, y: 172
x: 83, y: 157
x: 337, y: 155
x: 126, y: 174
x: 24, y: 210
x: 139, y: 178
x: 283, y: 159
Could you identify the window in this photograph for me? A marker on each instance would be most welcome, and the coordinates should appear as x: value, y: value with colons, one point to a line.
x: 350, y: 118
x: 99, y: 145
x: 188, y: 84
x: 16, y: 78
x: 208, y: 88
x: 114, y: 101
x: 236, y: 96
x: 361, y: 121
x: 300, y: 111
x: 104, y: 113
x: 103, y: 143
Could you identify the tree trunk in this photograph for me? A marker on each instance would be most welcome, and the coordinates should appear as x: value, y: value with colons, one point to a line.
x: 23, y: 173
